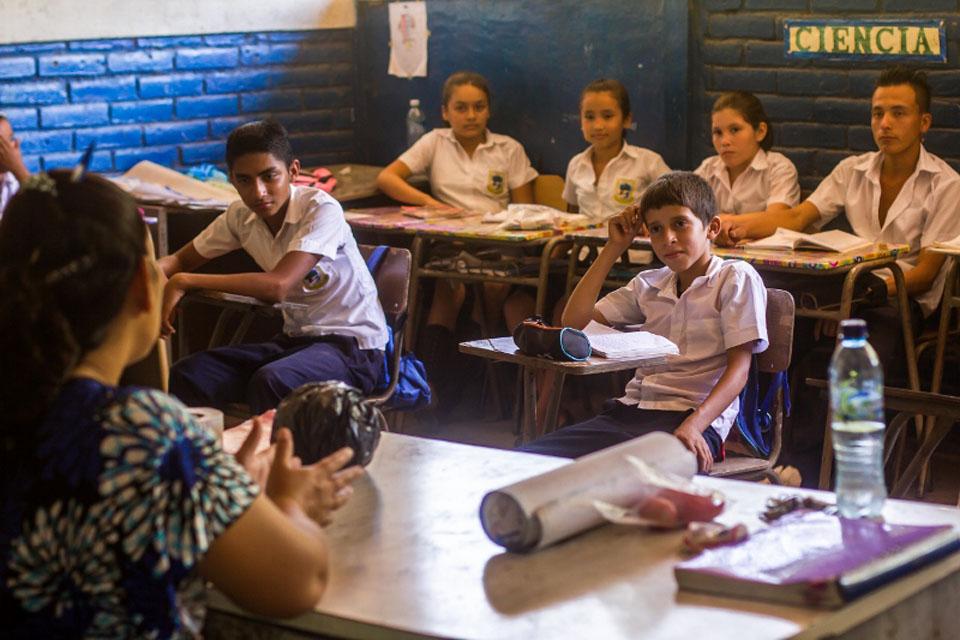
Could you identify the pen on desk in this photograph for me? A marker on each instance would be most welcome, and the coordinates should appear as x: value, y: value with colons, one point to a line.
x: 81, y: 169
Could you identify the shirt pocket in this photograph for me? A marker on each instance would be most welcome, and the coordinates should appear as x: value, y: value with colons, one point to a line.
x: 701, y: 338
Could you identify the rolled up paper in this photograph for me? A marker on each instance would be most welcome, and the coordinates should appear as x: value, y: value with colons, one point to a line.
x: 210, y: 419
x: 539, y: 511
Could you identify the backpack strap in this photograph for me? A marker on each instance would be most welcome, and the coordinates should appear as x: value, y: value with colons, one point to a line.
x: 376, y: 257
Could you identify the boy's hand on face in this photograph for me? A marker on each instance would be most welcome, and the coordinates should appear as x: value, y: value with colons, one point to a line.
x: 624, y: 227
x: 728, y: 232
x: 11, y: 160
x: 692, y: 439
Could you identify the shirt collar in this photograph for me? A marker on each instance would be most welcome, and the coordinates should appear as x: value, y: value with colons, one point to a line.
x: 871, y: 163
x: 665, y: 279
x: 759, y: 161
x: 491, y: 138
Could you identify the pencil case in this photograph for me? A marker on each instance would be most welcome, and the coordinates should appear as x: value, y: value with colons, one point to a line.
x: 535, y: 338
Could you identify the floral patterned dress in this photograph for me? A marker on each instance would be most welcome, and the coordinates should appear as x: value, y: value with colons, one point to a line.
x: 103, y: 521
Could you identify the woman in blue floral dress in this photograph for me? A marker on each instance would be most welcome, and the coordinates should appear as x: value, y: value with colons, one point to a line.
x: 115, y: 506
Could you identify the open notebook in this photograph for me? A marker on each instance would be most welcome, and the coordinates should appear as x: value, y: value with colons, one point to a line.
x: 608, y: 342
x: 950, y: 246
x: 834, y: 240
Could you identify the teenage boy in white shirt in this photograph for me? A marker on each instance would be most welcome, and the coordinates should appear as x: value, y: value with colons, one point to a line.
x: 308, y: 254
x: 713, y: 310
x: 898, y: 194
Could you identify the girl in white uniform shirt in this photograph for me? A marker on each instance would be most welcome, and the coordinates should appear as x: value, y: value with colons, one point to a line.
x: 610, y: 174
x: 474, y: 169
x: 745, y: 175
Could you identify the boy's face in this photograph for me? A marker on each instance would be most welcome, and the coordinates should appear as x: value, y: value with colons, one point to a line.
x: 680, y: 240
x: 263, y: 182
x: 896, y: 119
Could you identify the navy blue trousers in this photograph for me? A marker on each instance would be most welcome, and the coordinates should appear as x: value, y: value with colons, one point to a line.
x: 262, y: 374
x: 617, y: 423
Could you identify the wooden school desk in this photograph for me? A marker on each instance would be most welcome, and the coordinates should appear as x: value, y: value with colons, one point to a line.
x: 851, y: 265
x: 949, y: 303
x: 408, y: 559
x: 505, y: 350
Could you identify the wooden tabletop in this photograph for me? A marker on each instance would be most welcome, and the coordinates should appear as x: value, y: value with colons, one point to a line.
x: 409, y: 559
x: 812, y: 261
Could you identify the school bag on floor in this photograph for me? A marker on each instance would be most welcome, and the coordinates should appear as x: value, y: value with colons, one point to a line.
x: 412, y: 390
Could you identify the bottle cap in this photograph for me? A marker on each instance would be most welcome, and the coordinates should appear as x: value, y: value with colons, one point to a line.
x: 414, y: 102
x: 853, y: 329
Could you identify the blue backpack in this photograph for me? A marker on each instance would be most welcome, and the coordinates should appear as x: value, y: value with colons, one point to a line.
x: 412, y: 390
x: 755, y: 421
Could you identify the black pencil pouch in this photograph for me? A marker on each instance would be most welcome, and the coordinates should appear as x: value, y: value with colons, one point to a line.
x: 534, y: 338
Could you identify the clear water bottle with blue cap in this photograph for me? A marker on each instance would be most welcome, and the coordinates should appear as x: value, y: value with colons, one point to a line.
x: 856, y: 401
x: 415, y: 120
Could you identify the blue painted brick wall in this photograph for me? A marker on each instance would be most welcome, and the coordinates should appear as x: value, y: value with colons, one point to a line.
x: 174, y: 100
x: 820, y: 110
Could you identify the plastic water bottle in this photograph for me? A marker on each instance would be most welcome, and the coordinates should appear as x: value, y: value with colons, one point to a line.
x: 415, y: 122
x: 856, y: 399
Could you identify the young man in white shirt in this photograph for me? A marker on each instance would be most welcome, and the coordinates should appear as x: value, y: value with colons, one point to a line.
x: 12, y: 169
x: 899, y: 194
x: 713, y: 310
x: 300, y: 239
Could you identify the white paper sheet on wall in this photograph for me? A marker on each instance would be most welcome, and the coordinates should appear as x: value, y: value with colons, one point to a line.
x: 408, y: 39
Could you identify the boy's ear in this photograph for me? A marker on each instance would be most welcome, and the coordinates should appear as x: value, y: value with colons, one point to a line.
x: 294, y: 168
x: 713, y: 227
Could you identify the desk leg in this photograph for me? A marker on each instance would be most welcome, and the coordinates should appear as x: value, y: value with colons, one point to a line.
x: 529, y: 426
x: 544, y: 276
x: 826, y: 457
x: 948, y: 304
x: 553, y: 408
x: 941, y: 427
x: 572, y: 265
x: 413, y: 296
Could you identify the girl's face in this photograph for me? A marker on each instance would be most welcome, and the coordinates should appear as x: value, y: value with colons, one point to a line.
x: 467, y: 112
x: 734, y: 139
x: 601, y: 120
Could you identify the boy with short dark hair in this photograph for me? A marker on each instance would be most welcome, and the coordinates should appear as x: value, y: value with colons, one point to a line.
x: 713, y: 310
x: 299, y: 237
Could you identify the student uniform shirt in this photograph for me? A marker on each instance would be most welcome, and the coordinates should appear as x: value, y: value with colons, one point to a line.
x: 620, y: 183
x: 722, y: 309
x: 8, y: 187
x: 926, y: 210
x: 771, y: 177
x: 338, y: 296
x: 480, y: 183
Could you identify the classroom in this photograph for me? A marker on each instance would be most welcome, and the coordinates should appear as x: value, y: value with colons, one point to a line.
x: 452, y: 319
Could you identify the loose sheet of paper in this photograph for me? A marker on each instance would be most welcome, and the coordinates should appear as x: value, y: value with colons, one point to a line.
x: 408, y: 39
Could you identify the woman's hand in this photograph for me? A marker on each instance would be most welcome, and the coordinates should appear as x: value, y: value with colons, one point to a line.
x: 624, y: 227
x: 317, y: 490
x: 257, y: 464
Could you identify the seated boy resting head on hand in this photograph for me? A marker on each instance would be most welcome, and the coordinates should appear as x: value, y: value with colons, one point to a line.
x: 333, y: 330
x: 714, y: 310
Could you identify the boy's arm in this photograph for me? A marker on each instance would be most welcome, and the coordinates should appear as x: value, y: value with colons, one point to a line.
x: 750, y: 226
x: 919, y: 279
x: 728, y: 387
x: 187, y: 258
x: 269, y: 286
x: 580, y: 307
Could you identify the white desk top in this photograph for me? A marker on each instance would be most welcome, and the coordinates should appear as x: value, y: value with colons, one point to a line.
x: 409, y: 559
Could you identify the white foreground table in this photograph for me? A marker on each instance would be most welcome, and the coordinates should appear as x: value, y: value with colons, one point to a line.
x: 410, y: 560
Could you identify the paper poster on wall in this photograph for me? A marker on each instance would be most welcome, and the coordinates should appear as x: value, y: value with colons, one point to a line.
x: 408, y: 39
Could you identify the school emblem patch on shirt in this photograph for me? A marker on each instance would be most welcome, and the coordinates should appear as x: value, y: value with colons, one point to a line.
x: 496, y: 183
x: 626, y: 191
x: 315, y: 279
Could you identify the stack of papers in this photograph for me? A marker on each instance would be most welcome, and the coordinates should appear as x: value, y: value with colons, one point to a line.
x: 608, y: 342
x: 150, y: 182
x: 535, y: 216
x: 787, y: 240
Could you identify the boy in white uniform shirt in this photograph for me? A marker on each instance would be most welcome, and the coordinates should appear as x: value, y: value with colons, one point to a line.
x: 300, y: 239
x: 899, y: 194
x: 713, y: 310
x: 12, y: 170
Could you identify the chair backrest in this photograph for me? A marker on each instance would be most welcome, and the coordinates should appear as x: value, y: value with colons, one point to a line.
x: 548, y: 190
x: 393, y: 281
x: 780, y: 312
